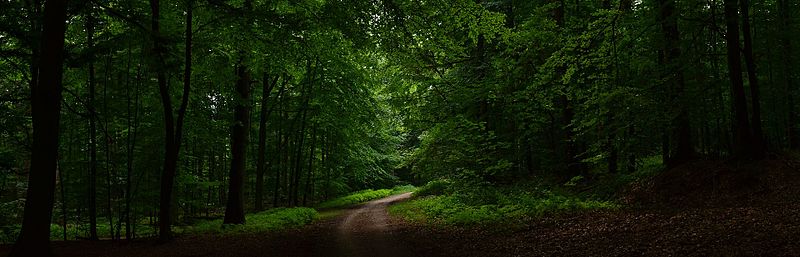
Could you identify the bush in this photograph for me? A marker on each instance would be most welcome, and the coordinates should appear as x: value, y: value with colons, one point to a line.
x: 9, y: 233
x: 355, y: 198
x: 364, y: 196
x: 271, y: 220
x: 436, y: 187
x: 403, y: 189
x: 507, y: 206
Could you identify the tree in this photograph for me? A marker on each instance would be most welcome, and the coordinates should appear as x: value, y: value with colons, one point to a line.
x: 173, y: 131
x: 741, y: 124
x: 34, y: 238
x: 240, y: 133
x: 787, y: 63
x: 92, y: 134
x: 679, y: 132
x: 262, y: 138
x: 755, y: 99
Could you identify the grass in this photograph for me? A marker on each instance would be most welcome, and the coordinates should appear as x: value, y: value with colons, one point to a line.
x: 9, y: 233
x: 485, y: 205
x: 271, y: 220
x: 285, y: 218
x: 362, y: 197
x: 331, y: 213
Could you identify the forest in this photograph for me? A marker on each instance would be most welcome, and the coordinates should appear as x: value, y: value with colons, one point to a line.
x: 399, y: 128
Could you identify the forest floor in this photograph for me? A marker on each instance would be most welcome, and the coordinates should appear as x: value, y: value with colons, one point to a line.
x: 766, y: 229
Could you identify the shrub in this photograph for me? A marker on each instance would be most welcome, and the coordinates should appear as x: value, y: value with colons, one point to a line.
x: 363, y: 196
x: 505, y: 207
x: 403, y: 189
x: 9, y: 233
x: 435, y: 187
x: 270, y: 220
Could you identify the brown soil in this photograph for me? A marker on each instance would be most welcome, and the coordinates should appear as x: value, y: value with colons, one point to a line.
x: 703, y: 184
x: 762, y: 231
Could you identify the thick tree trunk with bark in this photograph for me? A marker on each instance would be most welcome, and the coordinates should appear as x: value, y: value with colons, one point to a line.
x: 758, y: 133
x: 743, y: 142
x: 680, y: 147
x: 234, y: 210
x: 34, y: 237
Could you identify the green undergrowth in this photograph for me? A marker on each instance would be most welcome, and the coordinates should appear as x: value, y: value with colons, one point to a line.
x: 270, y: 220
x: 488, y: 205
x: 286, y: 218
x: 9, y: 233
x: 609, y: 186
x: 362, y: 197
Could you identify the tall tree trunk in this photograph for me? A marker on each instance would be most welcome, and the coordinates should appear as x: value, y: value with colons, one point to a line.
x: 234, y: 210
x: 296, y: 160
x: 573, y: 165
x: 277, y: 185
x: 326, y: 166
x: 172, y: 129
x: 133, y: 128
x: 34, y: 11
x: 613, y: 150
x: 107, y: 136
x: 170, y: 148
x: 301, y: 136
x: 631, y: 153
x: 34, y: 237
x: 680, y: 137
x: 758, y: 133
x: 787, y: 54
x: 63, y: 202
x: 309, y: 189
x: 743, y: 141
x: 92, y: 135
x: 262, y: 140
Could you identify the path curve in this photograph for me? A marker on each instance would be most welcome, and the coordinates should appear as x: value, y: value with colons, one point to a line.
x: 367, y: 230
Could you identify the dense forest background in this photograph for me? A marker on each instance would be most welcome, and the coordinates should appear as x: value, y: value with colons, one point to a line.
x: 168, y: 111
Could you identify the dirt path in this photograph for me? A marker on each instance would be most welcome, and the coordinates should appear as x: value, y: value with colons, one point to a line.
x: 366, y: 231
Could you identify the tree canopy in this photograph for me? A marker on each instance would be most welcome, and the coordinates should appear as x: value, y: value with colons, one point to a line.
x: 178, y: 109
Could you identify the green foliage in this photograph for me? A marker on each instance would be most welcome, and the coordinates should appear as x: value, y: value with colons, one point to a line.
x: 403, y: 189
x: 10, y: 232
x: 363, y: 196
x: 354, y: 198
x: 271, y: 220
x: 469, y: 95
x: 435, y: 187
x: 491, y: 206
x: 608, y: 187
